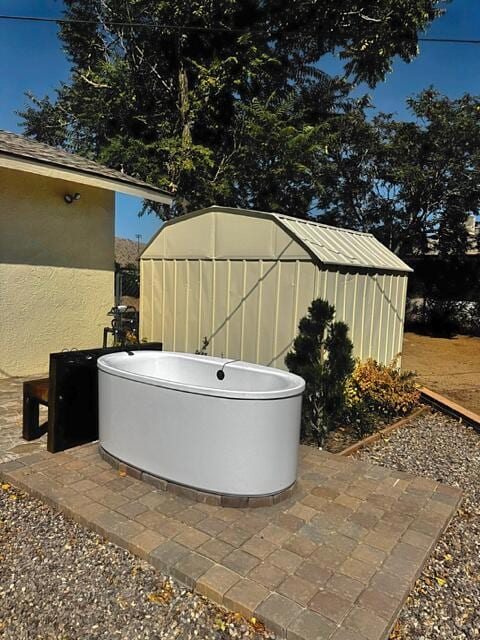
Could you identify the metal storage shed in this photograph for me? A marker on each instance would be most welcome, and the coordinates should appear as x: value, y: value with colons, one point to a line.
x: 243, y: 279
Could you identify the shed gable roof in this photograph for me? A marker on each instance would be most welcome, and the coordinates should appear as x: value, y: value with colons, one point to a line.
x: 342, y: 247
x: 16, y: 147
x: 331, y: 246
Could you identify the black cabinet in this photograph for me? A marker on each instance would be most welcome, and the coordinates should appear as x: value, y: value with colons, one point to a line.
x: 73, y: 395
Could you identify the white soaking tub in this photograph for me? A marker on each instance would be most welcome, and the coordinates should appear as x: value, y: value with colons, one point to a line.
x: 173, y: 416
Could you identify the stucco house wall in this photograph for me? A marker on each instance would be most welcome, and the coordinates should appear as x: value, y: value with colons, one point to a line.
x: 56, y: 269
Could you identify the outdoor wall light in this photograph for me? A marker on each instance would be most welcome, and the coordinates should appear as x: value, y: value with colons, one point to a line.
x: 71, y: 197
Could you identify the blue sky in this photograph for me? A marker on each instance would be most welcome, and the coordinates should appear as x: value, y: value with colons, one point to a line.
x: 31, y: 59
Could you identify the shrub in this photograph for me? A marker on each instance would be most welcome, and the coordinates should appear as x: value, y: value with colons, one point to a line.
x: 322, y: 355
x: 469, y: 318
x: 379, y: 392
x: 443, y: 318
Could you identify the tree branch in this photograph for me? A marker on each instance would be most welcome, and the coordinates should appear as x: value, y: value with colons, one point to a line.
x: 97, y: 85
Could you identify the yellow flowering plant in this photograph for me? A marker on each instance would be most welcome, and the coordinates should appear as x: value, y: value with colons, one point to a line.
x: 376, y: 392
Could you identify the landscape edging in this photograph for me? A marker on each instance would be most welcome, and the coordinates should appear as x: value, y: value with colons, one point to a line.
x: 383, y: 432
x: 443, y: 404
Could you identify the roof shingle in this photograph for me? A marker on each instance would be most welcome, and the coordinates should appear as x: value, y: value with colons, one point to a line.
x: 17, y: 146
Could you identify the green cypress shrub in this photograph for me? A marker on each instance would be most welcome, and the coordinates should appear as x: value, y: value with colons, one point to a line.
x: 322, y: 355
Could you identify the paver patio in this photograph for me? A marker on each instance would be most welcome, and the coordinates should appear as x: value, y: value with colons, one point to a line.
x: 12, y: 446
x: 335, y: 561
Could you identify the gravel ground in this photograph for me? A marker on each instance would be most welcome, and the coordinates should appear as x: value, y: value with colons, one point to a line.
x: 61, y: 581
x: 445, y: 602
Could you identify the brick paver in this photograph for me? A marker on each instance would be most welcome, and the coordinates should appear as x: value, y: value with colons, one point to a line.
x: 334, y: 561
x: 297, y: 589
x: 216, y: 582
x: 245, y: 596
x: 12, y: 446
x: 309, y: 625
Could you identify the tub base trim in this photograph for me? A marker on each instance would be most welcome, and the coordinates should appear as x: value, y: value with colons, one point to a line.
x: 207, y: 497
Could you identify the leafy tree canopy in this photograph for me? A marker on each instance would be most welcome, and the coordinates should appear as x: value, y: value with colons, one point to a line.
x: 412, y: 184
x: 229, y: 108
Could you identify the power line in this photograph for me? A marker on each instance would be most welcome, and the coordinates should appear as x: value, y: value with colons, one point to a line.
x: 114, y: 23
x: 176, y: 27
x: 450, y: 40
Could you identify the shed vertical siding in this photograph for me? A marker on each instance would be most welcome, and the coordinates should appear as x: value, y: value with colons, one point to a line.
x: 246, y: 309
x: 250, y: 309
x: 209, y: 278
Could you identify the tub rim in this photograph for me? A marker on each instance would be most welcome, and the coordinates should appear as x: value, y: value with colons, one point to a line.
x: 296, y: 383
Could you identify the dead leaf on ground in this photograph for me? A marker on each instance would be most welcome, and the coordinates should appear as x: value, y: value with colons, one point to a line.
x: 258, y: 626
x: 163, y: 595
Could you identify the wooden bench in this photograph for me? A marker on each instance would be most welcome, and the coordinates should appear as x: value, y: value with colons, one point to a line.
x: 35, y: 393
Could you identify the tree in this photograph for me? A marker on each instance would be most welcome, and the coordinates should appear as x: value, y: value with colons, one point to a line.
x: 189, y: 107
x: 412, y: 184
x: 322, y: 355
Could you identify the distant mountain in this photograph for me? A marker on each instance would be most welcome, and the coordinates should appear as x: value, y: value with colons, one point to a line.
x: 126, y: 251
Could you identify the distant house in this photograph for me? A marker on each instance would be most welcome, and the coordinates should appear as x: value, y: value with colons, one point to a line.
x: 472, y: 241
x: 56, y: 250
x: 473, y: 231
